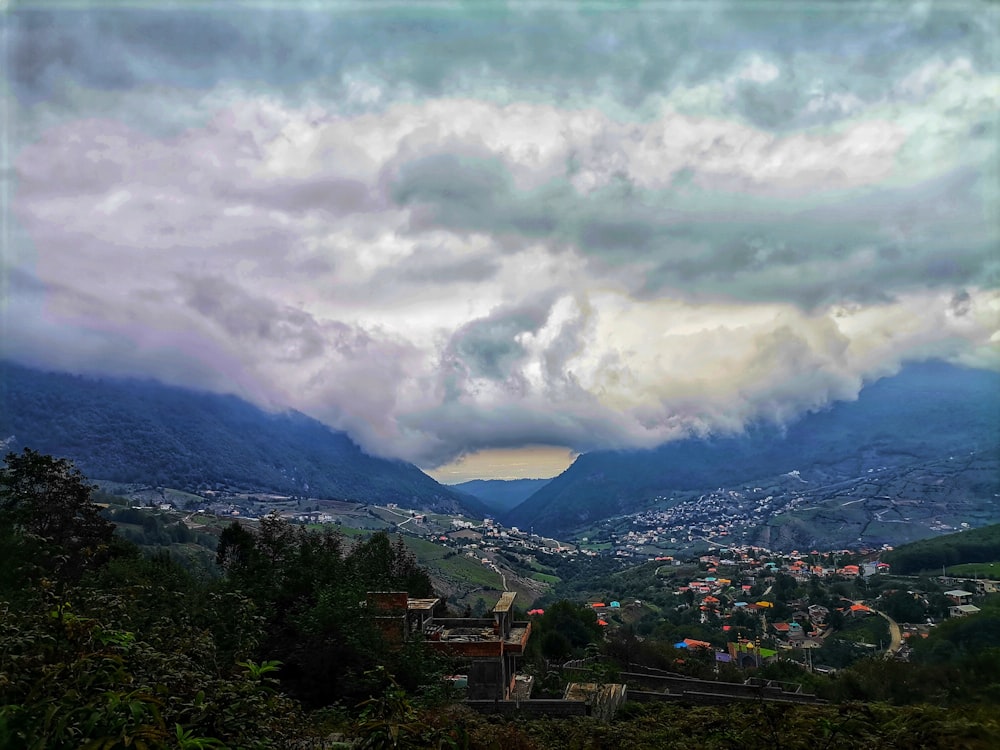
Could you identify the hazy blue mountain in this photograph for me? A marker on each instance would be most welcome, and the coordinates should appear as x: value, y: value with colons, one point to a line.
x: 146, y: 432
x: 501, y: 495
x: 928, y: 412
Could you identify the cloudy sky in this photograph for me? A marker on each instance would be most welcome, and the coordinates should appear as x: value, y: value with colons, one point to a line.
x: 461, y: 230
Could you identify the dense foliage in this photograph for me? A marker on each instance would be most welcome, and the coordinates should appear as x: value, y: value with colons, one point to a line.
x: 656, y: 726
x: 972, y: 546
x: 104, y: 647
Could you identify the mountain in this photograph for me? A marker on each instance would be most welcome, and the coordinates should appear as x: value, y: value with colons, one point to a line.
x: 501, y: 495
x: 928, y: 413
x: 146, y: 432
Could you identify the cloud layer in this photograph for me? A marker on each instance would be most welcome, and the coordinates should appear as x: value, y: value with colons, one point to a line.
x: 453, y: 230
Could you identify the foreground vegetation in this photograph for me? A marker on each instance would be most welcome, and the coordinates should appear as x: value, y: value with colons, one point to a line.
x: 102, y: 646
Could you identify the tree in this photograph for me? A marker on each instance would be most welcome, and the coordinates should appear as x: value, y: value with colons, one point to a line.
x: 46, y: 511
x: 903, y: 607
x: 311, y: 596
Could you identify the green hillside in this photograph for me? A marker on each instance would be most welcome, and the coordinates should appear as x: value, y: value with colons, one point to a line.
x: 973, y: 546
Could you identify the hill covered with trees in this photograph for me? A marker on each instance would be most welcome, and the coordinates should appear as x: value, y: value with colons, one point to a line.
x: 143, y: 431
x: 971, y: 546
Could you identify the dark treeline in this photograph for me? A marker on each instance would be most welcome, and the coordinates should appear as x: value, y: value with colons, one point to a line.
x: 973, y: 546
x: 102, y: 644
x: 150, y: 433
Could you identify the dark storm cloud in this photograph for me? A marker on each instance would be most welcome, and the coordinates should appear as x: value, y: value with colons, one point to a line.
x: 451, y: 227
x: 488, y: 347
x: 766, y: 251
x: 546, y: 53
x: 288, y: 333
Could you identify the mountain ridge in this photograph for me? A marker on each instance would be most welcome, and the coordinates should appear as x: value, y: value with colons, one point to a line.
x: 927, y: 411
x: 130, y: 430
x: 501, y: 495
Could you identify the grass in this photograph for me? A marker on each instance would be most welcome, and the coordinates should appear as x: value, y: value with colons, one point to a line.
x: 389, y: 516
x: 345, y: 530
x: 546, y: 578
x: 462, y: 568
x: 977, y: 570
x: 434, y: 557
x: 457, y: 567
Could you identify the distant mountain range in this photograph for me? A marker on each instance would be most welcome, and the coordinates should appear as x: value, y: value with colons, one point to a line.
x: 501, y: 495
x: 144, y: 432
x: 929, y: 439
x: 927, y: 413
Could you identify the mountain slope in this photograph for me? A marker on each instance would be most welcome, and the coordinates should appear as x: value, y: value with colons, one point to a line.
x: 501, y: 495
x: 980, y: 545
x: 143, y: 431
x: 927, y: 412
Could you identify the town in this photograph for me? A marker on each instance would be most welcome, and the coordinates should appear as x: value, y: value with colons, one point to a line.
x: 742, y: 604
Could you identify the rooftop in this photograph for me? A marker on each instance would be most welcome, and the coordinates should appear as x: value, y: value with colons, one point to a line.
x: 506, y: 602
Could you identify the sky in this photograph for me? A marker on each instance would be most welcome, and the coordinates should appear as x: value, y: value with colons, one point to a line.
x: 485, y: 237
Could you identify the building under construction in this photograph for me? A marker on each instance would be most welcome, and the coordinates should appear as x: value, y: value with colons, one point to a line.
x: 491, y: 645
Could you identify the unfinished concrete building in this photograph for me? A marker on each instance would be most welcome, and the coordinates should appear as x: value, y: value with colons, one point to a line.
x: 490, y: 645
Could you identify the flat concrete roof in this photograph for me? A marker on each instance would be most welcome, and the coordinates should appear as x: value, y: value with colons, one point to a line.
x: 506, y: 601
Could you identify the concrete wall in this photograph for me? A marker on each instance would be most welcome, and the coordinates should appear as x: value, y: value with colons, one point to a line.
x: 486, y: 680
x: 679, y: 686
x: 699, y: 698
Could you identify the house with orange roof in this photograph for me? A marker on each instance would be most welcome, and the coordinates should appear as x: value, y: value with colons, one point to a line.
x: 859, y: 610
x: 692, y: 643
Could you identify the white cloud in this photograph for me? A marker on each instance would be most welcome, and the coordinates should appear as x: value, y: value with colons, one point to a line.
x: 757, y: 70
x: 446, y: 274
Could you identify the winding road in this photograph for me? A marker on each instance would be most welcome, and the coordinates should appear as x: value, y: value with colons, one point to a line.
x: 895, y: 633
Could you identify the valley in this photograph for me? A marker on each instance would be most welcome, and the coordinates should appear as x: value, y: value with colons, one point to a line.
x: 735, y: 623
x: 885, y: 505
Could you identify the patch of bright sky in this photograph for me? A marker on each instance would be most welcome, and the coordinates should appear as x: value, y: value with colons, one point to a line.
x: 529, y: 462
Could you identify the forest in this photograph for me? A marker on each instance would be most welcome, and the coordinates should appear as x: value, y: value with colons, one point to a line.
x: 105, y: 646
x: 972, y: 546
